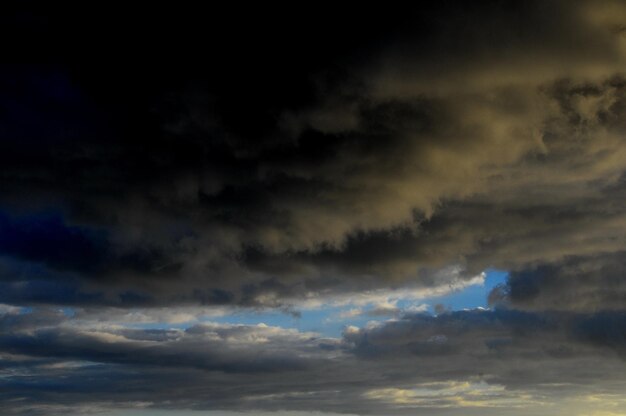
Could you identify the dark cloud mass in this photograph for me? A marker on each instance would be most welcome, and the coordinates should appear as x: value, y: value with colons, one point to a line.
x: 166, y: 165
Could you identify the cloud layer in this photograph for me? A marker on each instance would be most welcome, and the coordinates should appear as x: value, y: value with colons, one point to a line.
x: 483, y: 360
x: 194, y: 165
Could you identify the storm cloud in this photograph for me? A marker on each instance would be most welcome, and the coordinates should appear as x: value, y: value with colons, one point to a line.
x: 194, y: 167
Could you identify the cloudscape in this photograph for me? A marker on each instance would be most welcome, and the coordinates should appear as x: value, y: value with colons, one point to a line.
x: 314, y: 209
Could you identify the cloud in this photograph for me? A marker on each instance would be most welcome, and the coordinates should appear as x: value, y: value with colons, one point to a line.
x: 389, y: 165
x: 355, y: 158
x: 453, y: 394
x: 418, y: 362
x: 492, y: 211
x: 202, y: 346
x: 576, y: 283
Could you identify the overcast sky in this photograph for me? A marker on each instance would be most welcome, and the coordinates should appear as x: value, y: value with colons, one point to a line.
x: 314, y: 210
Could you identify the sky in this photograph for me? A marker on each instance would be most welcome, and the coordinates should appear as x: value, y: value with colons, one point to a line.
x: 314, y: 210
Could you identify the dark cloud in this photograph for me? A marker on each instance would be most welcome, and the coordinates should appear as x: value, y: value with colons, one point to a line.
x: 224, y: 184
x: 158, y: 160
x: 589, y: 283
x: 285, y: 219
x: 44, y: 238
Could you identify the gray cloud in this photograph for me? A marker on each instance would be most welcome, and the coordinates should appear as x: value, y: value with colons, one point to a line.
x: 588, y: 283
x: 508, y: 358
